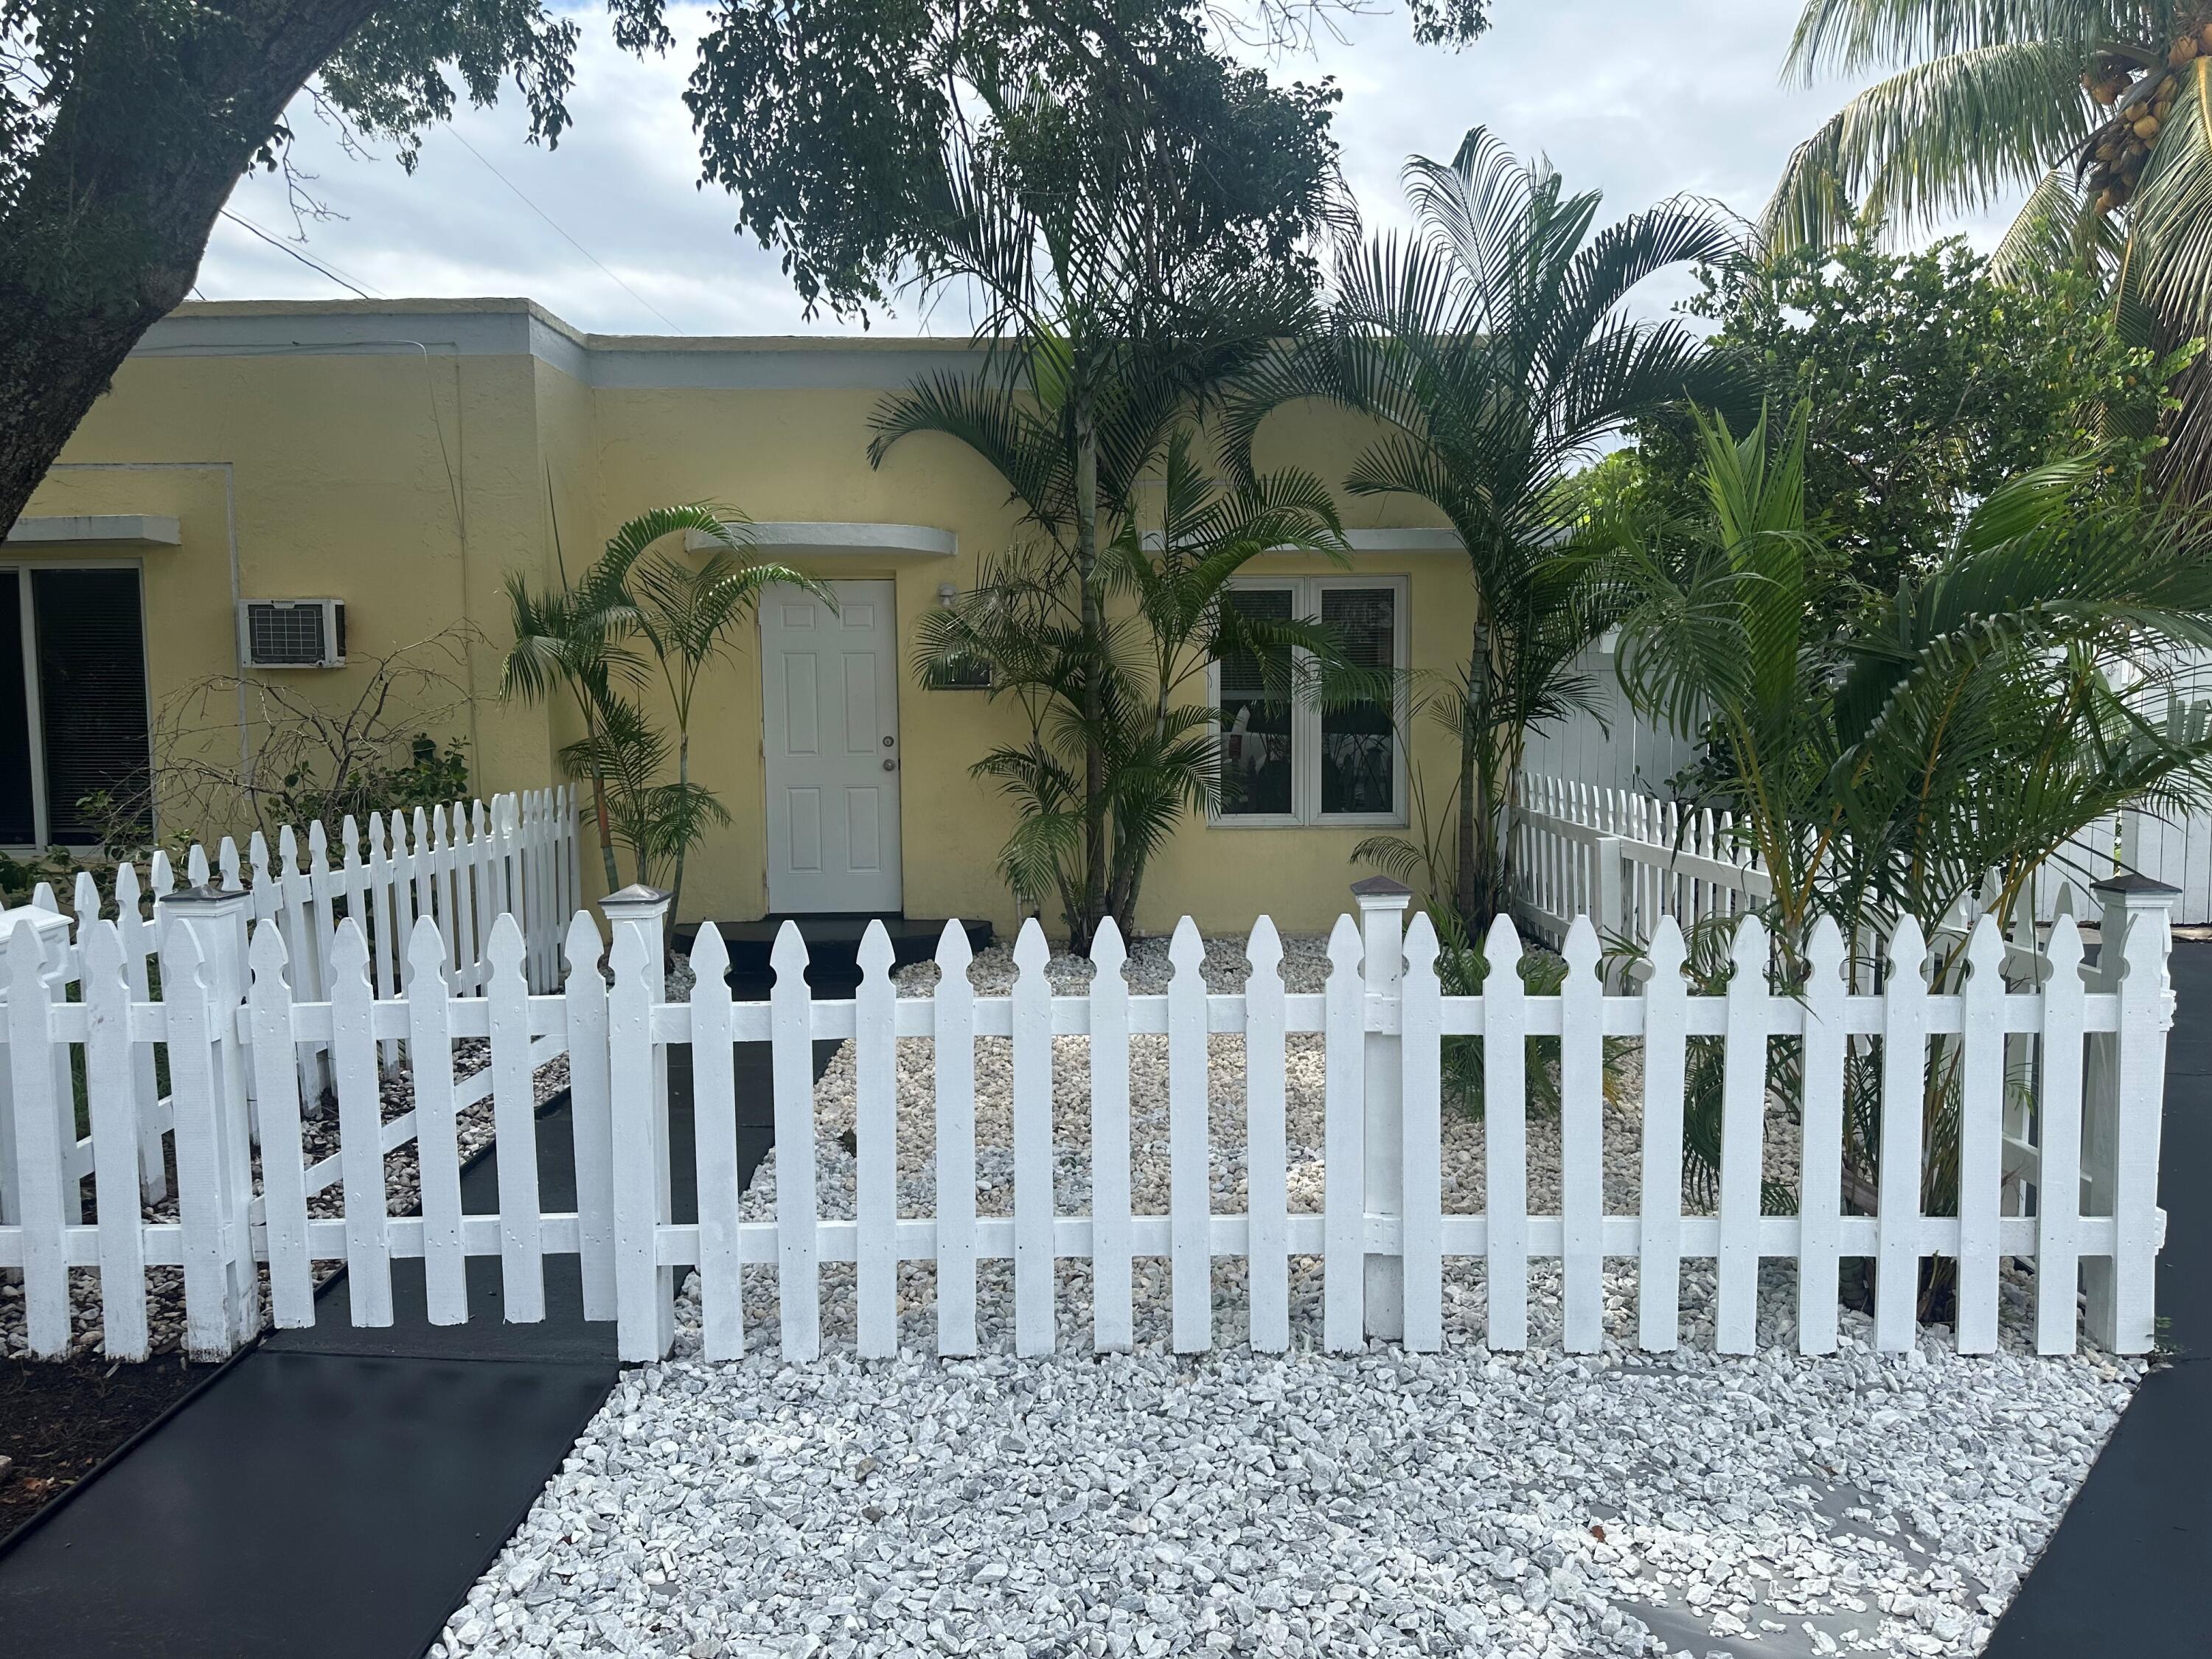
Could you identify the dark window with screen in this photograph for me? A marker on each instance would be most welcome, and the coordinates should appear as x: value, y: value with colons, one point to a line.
x: 18, y: 810
x: 1359, y: 742
x: 1256, y: 760
x: 87, y: 729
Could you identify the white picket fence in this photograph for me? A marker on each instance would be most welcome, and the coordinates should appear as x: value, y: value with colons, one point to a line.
x: 460, y: 870
x: 2070, y: 1186
x: 1626, y: 860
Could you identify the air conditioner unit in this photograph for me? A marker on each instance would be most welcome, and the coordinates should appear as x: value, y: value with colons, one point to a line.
x: 292, y: 633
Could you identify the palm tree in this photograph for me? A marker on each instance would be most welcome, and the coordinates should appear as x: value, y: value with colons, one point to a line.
x: 1131, y: 239
x: 561, y: 643
x: 1938, y: 751
x: 1492, y: 348
x: 2101, y: 112
x: 684, y: 613
x: 1130, y: 686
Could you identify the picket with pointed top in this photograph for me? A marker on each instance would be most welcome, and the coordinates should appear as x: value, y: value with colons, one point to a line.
x: 591, y: 1109
x: 875, y: 1138
x: 2073, y: 1189
x: 953, y: 1033
x: 1420, y: 1185
x: 283, y: 1190
x: 1581, y: 1133
x: 1505, y: 1125
x: 1743, y: 1123
x: 514, y: 1118
x: 1266, y: 1150
x: 1034, y: 1265
x: 1820, y: 1133
x: 1980, y: 1046
x: 2059, y: 1166
x: 1904, y: 1078
x: 799, y: 1278
x: 1659, y: 1240
x: 361, y: 1128
x: 437, y: 1129
x: 1190, y: 1197
x: 721, y: 1246
x: 110, y: 1097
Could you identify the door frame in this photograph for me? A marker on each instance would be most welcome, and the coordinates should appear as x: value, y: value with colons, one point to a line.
x: 885, y: 588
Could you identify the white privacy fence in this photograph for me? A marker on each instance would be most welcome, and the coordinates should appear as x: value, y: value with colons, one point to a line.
x: 2064, y: 1174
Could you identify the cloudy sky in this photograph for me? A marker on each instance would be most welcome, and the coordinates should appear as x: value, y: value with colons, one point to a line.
x: 1641, y: 101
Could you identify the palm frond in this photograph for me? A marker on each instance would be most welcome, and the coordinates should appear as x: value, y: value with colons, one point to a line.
x: 1947, y: 136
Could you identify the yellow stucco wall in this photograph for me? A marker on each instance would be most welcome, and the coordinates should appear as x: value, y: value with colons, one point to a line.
x: 402, y: 459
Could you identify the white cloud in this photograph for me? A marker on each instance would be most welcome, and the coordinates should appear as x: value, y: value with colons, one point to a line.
x: 1642, y: 102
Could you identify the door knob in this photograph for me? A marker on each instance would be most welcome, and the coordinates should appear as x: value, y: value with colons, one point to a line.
x: 891, y: 766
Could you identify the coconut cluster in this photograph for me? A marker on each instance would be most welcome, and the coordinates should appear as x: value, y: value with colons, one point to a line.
x: 2139, y: 100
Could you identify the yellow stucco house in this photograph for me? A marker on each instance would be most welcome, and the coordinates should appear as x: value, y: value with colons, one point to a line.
x: 403, y: 457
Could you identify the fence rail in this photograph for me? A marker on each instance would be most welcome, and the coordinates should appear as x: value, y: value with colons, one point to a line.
x: 1626, y: 860
x: 2070, y: 1185
x: 460, y: 870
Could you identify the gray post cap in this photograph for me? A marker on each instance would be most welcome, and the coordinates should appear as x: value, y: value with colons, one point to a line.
x: 1379, y: 889
x: 636, y: 897
x: 2135, y: 886
x: 207, y: 893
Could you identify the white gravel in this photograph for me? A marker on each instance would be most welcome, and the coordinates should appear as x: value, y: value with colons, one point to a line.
x: 1512, y: 1504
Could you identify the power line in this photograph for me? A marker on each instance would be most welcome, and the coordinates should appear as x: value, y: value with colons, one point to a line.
x: 286, y: 248
x: 564, y: 236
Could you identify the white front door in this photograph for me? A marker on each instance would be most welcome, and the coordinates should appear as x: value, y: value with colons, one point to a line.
x: 829, y: 698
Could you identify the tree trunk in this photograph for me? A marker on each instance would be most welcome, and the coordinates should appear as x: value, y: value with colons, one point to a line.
x: 1467, y: 898
x: 598, y: 774
x: 682, y: 847
x: 121, y: 195
x: 1094, y: 757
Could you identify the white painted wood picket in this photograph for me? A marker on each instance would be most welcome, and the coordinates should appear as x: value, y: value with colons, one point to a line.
x: 456, y: 875
x: 1625, y: 859
x: 2075, y: 1196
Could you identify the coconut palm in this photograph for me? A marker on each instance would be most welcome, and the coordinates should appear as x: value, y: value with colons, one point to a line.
x: 1492, y: 349
x: 2101, y: 112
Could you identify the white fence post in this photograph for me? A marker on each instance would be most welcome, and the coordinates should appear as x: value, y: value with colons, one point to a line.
x: 52, y: 931
x: 645, y: 1291
x: 42, y: 1129
x: 207, y: 1073
x: 1383, y: 904
x: 586, y: 992
x: 2123, y: 1096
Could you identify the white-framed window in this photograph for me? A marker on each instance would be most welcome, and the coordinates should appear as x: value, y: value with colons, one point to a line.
x: 73, y: 715
x: 1287, y: 761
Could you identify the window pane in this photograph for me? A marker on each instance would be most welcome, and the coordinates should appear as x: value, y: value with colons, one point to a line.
x: 1255, y: 732
x: 92, y: 694
x: 17, y: 826
x: 1358, y: 744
